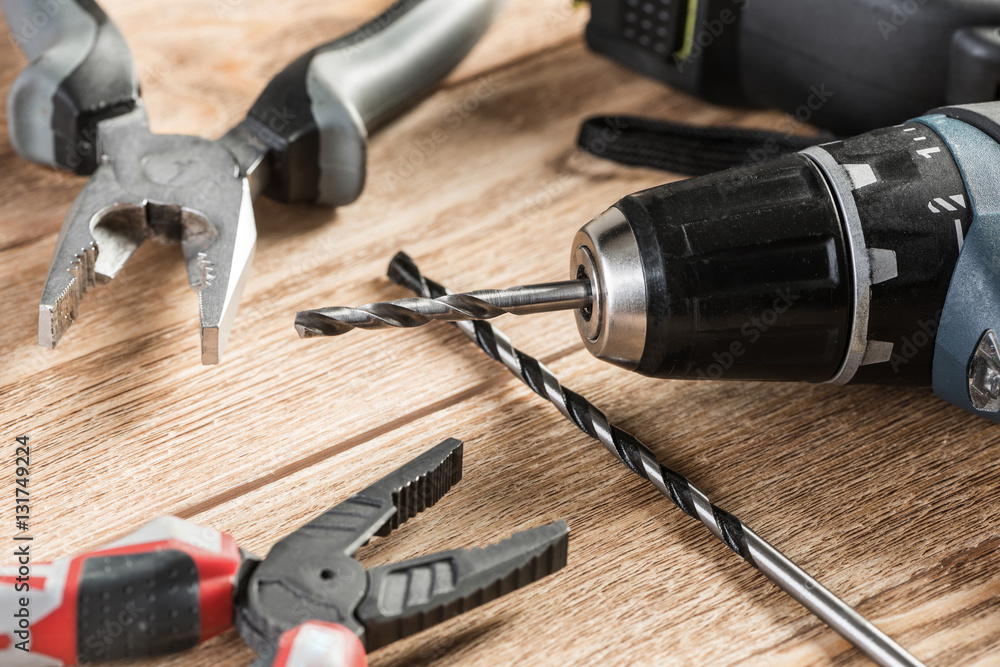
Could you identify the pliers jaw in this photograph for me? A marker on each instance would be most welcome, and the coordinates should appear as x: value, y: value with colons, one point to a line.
x: 312, y: 575
x: 172, y: 189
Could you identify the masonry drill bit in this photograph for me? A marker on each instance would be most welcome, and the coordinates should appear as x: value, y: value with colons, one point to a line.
x: 851, y: 625
x: 415, y: 312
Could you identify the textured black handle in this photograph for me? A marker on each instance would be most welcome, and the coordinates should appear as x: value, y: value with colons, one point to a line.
x: 137, y: 605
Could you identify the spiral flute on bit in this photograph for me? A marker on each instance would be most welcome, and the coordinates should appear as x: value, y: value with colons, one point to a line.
x: 851, y: 625
x: 417, y: 311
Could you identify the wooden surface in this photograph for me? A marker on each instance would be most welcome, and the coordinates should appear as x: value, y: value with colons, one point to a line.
x: 888, y: 496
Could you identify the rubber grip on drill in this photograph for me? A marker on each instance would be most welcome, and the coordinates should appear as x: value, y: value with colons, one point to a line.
x: 318, y: 644
x: 81, y: 73
x: 746, y: 274
x: 163, y: 588
x: 316, y: 114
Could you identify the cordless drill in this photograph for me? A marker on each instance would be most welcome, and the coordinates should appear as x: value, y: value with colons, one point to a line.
x: 874, y: 259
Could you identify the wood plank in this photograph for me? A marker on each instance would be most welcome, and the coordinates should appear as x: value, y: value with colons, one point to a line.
x: 688, y: 597
x: 888, y: 495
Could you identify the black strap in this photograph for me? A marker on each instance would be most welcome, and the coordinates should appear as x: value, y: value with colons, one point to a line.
x: 685, y: 149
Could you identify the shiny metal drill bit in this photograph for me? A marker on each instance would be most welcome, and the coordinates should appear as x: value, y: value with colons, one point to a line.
x: 766, y: 558
x: 415, y: 312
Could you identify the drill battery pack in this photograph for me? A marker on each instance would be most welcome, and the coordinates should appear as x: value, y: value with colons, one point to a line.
x: 845, y: 65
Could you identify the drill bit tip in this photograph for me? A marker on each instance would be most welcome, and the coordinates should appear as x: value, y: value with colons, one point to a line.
x: 313, y: 323
x: 417, y: 311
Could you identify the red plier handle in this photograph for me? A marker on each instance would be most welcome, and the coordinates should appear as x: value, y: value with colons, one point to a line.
x: 318, y: 644
x: 166, y: 587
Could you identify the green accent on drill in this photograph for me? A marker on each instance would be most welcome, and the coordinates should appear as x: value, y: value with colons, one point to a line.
x: 691, y: 20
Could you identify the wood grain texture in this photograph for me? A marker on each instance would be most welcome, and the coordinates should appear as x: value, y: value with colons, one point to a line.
x: 888, y: 496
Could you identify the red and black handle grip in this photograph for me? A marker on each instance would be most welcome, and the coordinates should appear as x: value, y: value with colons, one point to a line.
x: 164, y: 588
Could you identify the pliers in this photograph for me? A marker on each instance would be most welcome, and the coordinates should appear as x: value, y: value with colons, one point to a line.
x: 77, y: 106
x: 173, y: 584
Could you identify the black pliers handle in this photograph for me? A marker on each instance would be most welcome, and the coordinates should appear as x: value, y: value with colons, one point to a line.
x: 312, y: 575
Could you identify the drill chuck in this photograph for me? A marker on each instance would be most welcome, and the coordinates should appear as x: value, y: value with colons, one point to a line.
x: 737, y: 275
x: 837, y: 264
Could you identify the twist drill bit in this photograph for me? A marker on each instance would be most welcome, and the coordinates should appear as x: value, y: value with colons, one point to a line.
x: 415, y: 312
x: 847, y: 622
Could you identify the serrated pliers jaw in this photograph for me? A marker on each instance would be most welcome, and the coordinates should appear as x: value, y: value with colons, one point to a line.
x: 168, y: 188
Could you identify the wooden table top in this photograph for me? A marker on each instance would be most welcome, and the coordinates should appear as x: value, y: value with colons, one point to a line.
x: 888, y: 496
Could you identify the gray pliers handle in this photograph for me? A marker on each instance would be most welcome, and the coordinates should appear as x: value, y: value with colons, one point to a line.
x: 316, y: 114
x: 313, y: 117
x: 81, y: 73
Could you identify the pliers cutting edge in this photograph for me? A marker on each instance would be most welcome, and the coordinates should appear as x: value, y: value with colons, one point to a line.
x: 77, y: 107
x: 173, y: 584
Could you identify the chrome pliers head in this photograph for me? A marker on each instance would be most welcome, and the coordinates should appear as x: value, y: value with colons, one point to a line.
x: 167, y: 188
x: 77, y: 107
x: 312, y: 575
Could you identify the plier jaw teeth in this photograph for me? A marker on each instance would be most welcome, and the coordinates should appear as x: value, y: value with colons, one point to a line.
x: 218, y: 267
x: 86, y: 254
x: 171, y: 189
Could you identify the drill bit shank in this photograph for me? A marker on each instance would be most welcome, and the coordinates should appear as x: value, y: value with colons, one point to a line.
x: 417, y: 311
